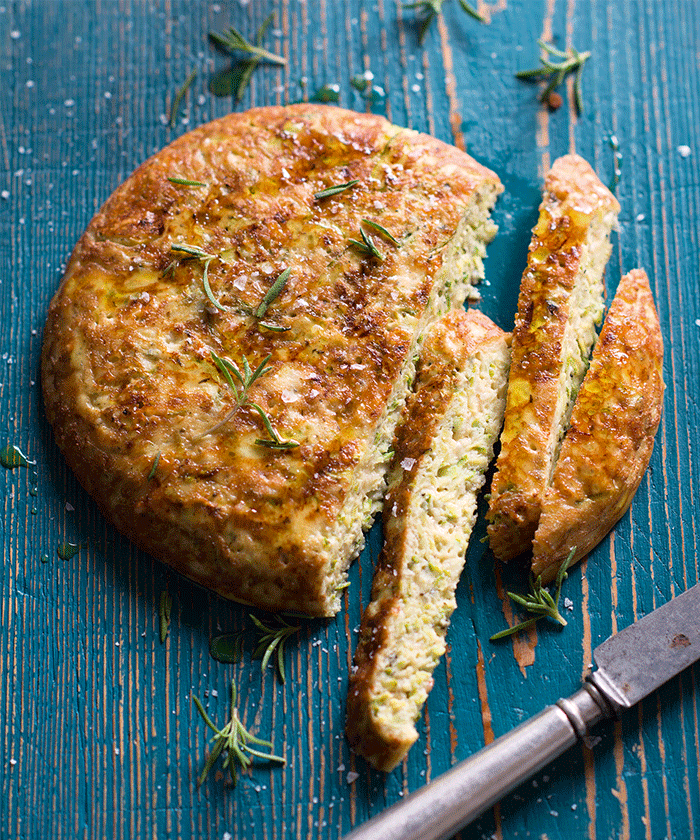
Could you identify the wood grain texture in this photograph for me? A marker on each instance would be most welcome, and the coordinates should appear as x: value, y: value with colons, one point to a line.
x: 98, y: 735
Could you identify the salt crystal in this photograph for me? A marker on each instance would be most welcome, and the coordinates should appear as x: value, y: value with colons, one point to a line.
x: 641, y: 217
x: 69, y: 103
x: 239, y: 282
x: 69, y: 507
x: 214, y: 692
x: 407, y: 463
x: 684, y: 151
x: 289, y: 396
x: 13, y: 761
x: 352, y: 777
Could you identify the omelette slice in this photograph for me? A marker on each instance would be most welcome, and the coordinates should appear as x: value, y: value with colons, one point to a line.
x: 442, y: 450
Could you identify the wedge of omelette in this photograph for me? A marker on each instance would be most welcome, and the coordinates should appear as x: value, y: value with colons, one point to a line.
x: 235, y: 336
x: 443, y: 448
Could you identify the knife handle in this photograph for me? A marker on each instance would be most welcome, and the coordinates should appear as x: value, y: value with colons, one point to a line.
x: 452, y: 800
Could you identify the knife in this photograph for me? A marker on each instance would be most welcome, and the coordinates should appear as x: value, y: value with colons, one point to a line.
x: 631, y: 664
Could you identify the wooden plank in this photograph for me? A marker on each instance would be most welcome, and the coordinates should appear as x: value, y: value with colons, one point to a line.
x: 98, y: 734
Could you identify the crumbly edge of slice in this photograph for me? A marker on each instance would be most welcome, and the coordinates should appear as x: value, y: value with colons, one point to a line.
x: 431, y: 539
x: 461, y: 269
x: 533, y: 433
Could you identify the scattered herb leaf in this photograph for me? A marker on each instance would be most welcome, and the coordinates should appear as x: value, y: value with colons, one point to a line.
x: 153, y: 469
x: 367, y: 246
x: 273, y: 638
x: 227, y: 649
x: 232, y: 41
x: 235, y: 740
x: 539, y: 601
x: 272, y: 293
x: 336, y: 190
x: 234, y: 80
x: 11, y: 457
x: 327, y: 93
x: 165, y: 607
x: 384, y: 232
x: 428, y: 10
x: 179, y: 96
x: 571, y: 61
x: 185, y: 182
x: 67, y: 550
x: 195, y: 252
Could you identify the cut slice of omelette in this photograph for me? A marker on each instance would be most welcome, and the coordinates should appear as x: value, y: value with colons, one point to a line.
x: 560, y: 304
x: 236, y: 332
x: 443, y: 448
x: 609, y: 442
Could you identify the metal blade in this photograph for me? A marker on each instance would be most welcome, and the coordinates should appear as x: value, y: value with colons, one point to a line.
x: 645, y: 655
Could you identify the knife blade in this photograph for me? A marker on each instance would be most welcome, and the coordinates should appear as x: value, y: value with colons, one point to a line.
x: 630, y: 665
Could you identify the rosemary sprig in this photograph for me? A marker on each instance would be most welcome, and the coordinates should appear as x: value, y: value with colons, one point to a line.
x: 367, y: 246
x: 195, y: 252
x: 335, y: 190
x: 179, y: 96
x: 185, y: 182
x: 572, y: 61
x: 166, y: 605
x: 240, y: 387
x: 539, y: 601
x: 235, y: 740
x: 382, y: 230
x: 272, y: 641
x: 232, y: 41
x: 428, y: 10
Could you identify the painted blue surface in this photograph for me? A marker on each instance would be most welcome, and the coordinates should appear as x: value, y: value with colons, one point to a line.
x: 98, y: 736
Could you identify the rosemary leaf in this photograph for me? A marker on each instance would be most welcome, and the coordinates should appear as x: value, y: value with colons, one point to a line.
x: 227, y: 648
x: 175, y: 108
x: 335, y: 190
x: 185, y: 182
x: 384, y: 232
x: 539, y: 601
x: 367, y: 246
x: 154, y: 467
x: 275, y: 441
x: 273, y: 637
x: 428, y: 10
x: 555, y: 72
x: 471, y: 11
x: 166, y: 605
x: 232, y: 41
x: 207, y: 288
x: 272, y: 293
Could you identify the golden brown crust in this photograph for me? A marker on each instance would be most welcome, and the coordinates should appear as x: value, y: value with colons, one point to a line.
x: 608, y: 445
x: 128, y: 374
x: 573, y: 198
x: 448, y: 346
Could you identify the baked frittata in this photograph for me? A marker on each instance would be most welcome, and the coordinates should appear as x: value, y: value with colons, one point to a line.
x: 560, y: 304
x: 443, y: 448
x: 234, y: 338
x: 609, y: 442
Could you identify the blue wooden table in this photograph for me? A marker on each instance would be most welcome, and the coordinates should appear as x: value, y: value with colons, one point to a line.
x: 99, y: 737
